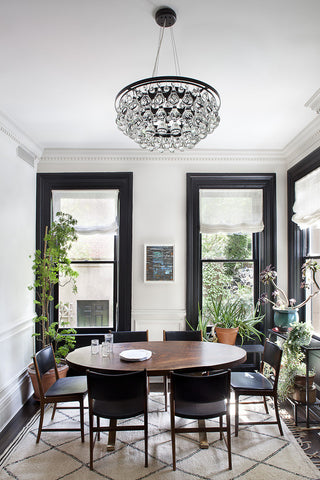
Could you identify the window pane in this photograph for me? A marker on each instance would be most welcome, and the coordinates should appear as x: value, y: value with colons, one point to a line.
x: 314, y: 241
x: 96, y: 215
x: 92, y: 305
x: 223, y: 280
x: 228, y: 246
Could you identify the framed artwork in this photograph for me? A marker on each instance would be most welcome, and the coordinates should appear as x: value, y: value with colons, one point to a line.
x: 159, y: 263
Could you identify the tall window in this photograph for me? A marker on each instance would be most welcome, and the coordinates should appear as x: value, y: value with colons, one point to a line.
x: 231, y: 236
x: 304, y: 230
x: 93, y: 256
x: 102, y: 206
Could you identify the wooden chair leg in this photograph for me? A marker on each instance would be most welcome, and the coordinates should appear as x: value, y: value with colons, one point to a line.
x: 81, y: 419
x: 229, y: 441
x: 275, y: 399
x: 40, y: 421
x: 173, y: 437
x: 91, y: 440
x: 265, y: 405
x: 98, y: 426
x: 236, y: 416
x: 54, y: 411
x: 165, y: 391
x: 145, y: 439
x: 221, y: 425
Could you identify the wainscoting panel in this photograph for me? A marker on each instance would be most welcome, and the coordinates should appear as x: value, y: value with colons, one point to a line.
x: 158, y: 320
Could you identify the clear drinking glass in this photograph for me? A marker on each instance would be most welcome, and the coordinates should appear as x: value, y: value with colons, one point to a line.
x: 94, y: 346
x: 105, y: 349
x: 108, y: 338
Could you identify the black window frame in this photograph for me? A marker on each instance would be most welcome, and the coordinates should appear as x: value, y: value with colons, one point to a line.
x: 297, y: 238
x: 122, y: 181
x: 267, y: 242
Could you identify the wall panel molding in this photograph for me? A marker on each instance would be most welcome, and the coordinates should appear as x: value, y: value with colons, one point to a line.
x: 21, y: 325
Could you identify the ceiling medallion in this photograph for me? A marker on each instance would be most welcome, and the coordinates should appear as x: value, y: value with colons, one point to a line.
x: 167, y: 113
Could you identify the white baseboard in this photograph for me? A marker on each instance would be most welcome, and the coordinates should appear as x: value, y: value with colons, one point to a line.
x: 13, y: 397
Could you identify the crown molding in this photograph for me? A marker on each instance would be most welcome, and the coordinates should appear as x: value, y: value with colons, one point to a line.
x: 8, y: 128
x: 314, y: 102
x: 79, y: 156
x: 304, y: 143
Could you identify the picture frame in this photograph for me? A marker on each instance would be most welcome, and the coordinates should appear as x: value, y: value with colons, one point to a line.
x: 159, y: 263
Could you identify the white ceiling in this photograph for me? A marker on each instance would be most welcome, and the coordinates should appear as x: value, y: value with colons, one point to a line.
x: 62, y: 63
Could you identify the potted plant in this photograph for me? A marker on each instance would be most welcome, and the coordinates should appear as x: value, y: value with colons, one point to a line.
x: 51, y: 266
x: 285, y: 308
x: 292, y: 378
x: 230, y: 317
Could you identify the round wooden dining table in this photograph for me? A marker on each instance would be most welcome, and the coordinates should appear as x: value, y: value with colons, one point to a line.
x: 166, y: 356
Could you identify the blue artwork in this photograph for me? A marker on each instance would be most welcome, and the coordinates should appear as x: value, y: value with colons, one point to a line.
x: 159, y: 263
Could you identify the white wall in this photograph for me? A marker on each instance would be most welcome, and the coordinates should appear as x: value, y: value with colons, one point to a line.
x: 17, y: 240
x: 159, y: 216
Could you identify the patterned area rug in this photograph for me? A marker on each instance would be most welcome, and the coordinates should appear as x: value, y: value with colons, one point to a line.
x: 258, y: 453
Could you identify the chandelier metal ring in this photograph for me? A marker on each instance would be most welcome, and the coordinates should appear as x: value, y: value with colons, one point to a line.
x: 168, y: 112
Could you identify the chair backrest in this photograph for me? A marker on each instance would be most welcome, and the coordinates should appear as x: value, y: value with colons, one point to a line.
x: 182, y: 335
x: 129, y: 336
x: 44, y: 360
x: 129, y: 387
x: 200, y: 389
x: 272, y: 354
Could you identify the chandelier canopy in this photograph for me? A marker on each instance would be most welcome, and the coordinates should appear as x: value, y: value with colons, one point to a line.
x: 167, y: 113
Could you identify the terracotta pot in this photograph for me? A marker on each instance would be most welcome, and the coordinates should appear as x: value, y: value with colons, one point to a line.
x: 48, y: 378
x: 300, y: 380
x: 227, y: 335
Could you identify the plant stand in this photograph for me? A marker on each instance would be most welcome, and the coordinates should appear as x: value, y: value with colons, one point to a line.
x: 313, y: 346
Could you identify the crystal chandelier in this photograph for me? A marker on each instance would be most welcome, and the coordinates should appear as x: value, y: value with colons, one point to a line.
x: 167, y: 113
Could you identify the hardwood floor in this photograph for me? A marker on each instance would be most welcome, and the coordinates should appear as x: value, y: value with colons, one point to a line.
x: 9, y: 433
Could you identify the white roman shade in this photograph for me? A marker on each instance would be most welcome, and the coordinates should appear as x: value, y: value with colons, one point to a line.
x: 231, y: 210
x: 99, y: 212
x: 306, y: 207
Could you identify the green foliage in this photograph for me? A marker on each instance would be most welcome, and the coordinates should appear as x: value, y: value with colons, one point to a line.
x: 293, y: 358
x: 203, y: 327
x: 232, y: 313
x: 237, y: 247
x: 51, y: 267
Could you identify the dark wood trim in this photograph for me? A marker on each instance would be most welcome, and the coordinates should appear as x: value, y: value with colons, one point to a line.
x: 267, y: 243
x: 297, y: 238
x: 123, y: 181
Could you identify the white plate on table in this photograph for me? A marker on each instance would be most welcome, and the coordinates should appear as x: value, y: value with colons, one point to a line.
x: 135, y: 355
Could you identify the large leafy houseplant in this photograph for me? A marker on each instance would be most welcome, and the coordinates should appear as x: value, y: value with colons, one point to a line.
x: 52, y: 266
x: 233, y: 313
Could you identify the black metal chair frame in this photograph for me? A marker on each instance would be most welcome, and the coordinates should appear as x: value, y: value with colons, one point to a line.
x: 267, y: 358
x: 201, y: 389
x: 110, y: 391
x: 177, y: 335
x: 63, y: 390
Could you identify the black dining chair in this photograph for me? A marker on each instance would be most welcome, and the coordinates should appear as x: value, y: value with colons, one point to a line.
x: 68, y: 389
x: 130, y: 336
x: 257, y: 384
x: 199, y: 398
x: 117, y: 396
x: 183, y: 336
